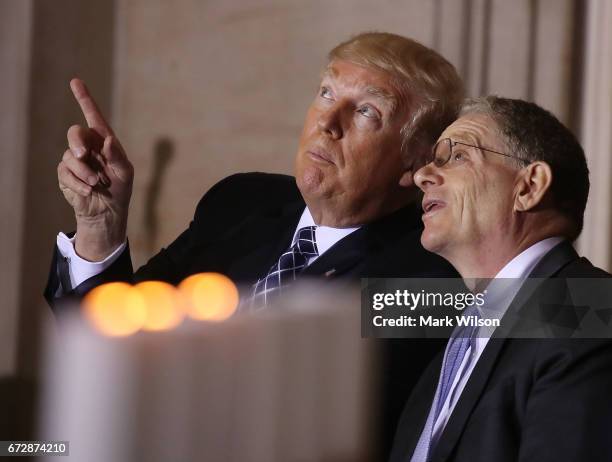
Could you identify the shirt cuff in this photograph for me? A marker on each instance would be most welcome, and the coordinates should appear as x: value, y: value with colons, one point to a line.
x: 80, y: 269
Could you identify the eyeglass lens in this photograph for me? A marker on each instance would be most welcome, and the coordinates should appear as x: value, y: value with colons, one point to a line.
x: 442, y: 152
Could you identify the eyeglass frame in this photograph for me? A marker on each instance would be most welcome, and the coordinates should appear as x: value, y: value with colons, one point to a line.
x: 453, y: 143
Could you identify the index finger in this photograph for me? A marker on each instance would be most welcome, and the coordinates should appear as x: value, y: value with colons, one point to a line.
x: 93, y: 116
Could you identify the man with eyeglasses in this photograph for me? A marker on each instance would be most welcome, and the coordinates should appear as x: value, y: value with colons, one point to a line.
x: 504, y: 196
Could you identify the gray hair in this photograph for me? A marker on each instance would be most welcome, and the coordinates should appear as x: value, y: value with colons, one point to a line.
x: 531, y: 133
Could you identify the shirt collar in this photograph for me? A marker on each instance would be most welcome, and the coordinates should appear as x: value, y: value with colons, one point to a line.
x: 325, y: 235
x: 503, y: 288
x: 523, y: 264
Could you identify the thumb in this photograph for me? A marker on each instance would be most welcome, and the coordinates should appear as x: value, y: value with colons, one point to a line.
x: 115, y: 157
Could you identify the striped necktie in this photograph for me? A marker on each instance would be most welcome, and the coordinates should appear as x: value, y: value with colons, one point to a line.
x: 462, y: 340
x: 287, y: 268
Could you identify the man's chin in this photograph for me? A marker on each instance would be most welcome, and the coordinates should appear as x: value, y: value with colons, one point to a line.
x: 431, y: 241
x: 310, y: 181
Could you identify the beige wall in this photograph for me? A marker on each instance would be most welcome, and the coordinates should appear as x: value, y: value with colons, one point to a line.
x: 15, y: 28
x: 199, y: 90
x: 227, y: 85
x: 43, y: 45
x: 596, y: 241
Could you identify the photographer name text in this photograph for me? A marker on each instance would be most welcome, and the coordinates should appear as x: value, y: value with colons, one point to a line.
x: 432, y: 321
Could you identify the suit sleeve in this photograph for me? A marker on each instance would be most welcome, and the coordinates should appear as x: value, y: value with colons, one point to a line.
x: 569, y: 411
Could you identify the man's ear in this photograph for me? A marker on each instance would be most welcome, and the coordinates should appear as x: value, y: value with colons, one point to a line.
x: 534, y: 182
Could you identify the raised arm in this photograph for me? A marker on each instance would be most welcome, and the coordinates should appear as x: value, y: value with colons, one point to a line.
x: 96, y: 179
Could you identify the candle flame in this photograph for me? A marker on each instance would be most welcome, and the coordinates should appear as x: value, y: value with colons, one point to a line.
x: 162, y: 303
x: 209, y: 296
x: 115, y: 309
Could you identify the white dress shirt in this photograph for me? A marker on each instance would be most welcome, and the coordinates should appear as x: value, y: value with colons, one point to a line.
x: 81, y: 269
x: 325, y: 236
x: 517, y: 270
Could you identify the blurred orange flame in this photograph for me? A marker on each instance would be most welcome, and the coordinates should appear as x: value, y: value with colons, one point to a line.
x: 209, y: 296
x: 118, y: 309
x: 115, y: 309
x: 162, y: 303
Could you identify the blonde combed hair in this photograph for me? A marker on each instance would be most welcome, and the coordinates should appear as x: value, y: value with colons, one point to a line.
x: 428, y: 83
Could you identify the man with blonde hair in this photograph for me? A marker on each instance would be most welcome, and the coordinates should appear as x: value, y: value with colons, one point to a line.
x: 351, y: 211
x: 382, y: 102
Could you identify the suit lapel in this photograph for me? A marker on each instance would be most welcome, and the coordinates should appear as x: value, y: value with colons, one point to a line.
x: 354, y: 252
x: 417, y: 409
x: 269, y: 234
x: 547, y: 267
x: 343, y: 256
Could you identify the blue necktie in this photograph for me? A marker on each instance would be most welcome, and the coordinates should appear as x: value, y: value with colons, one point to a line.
x: 286, y: 269
x: 462, y: 339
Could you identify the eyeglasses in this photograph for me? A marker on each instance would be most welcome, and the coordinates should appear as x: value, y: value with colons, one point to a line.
x: 443, y: 152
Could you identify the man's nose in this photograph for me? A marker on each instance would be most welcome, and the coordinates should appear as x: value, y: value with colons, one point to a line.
x: 427, y: 176
x: 329, y: 122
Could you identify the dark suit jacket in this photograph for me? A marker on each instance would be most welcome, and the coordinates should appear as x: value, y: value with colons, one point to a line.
x: 240, y: 228
x: 526, y: 399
